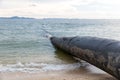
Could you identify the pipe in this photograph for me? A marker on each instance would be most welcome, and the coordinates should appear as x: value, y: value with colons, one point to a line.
x: 100, y: 52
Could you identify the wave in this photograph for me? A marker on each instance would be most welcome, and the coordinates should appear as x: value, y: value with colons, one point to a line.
x: 37, y: 67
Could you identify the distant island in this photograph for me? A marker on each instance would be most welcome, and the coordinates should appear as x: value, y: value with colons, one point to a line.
x: 15, y: 17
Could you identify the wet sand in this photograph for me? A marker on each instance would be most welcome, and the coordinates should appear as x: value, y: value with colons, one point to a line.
x: 85, y: 72
x: 80, y: 74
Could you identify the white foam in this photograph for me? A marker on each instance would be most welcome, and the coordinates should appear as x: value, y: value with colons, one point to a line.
x: 35, y: 67
x: 61, y: 67
x: 19, y: 64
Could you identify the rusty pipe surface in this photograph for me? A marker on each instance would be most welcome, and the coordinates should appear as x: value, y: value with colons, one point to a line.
x: 100, y: 52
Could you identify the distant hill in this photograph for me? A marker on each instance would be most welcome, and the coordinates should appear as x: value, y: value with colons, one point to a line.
x: 15, y: 17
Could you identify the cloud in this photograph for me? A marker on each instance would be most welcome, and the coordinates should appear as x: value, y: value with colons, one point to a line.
x: 61, y: 8
x: 48, y: 1
x: 33, y: 5
x: 39, y: 10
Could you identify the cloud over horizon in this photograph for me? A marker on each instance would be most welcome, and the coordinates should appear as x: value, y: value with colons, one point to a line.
x: 60, y: 8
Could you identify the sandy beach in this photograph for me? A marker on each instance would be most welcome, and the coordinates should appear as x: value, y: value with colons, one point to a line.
x: 26, y: 54
x: 80, y: 74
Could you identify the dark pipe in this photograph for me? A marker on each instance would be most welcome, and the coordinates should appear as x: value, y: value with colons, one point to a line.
x: 102, y: 53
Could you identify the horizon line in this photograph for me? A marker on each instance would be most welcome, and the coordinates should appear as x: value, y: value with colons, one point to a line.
x: 50, y: 17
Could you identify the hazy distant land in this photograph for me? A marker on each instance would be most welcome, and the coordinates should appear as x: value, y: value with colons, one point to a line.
x: 15, y: 17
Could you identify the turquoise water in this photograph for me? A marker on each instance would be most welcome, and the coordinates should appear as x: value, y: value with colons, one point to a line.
x: 24, y: 47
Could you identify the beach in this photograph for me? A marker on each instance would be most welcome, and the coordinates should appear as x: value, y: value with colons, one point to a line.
x: 55, y: 75
x: 86, y: 72
x: 59, y: 40
x: 26, y: 54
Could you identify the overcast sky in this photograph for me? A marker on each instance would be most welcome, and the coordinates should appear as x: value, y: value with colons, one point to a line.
x: 61, y: 8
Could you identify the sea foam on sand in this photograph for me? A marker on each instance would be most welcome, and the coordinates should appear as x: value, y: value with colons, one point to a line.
x: 43, y: 71
x: 36, y: 67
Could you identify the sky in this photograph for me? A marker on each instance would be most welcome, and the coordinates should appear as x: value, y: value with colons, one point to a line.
x: 83, y: 9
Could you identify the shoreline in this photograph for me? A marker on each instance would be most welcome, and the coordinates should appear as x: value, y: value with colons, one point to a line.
x: 78, y: 74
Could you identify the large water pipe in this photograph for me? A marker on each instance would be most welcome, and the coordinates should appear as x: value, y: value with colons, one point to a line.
x: 100, y: 52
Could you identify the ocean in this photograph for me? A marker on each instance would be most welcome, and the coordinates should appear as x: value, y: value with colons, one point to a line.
x: 24, y: 47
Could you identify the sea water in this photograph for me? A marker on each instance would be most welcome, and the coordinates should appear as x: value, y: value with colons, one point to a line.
x: 24, y: 47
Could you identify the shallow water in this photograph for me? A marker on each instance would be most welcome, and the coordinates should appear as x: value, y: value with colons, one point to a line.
x: 23, y: 41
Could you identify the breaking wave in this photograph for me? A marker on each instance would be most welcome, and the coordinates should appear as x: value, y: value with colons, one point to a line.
x: 37, y: 67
